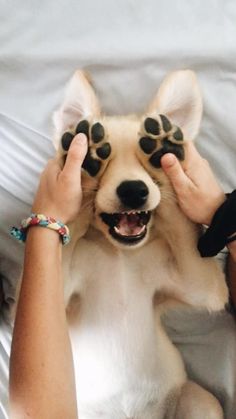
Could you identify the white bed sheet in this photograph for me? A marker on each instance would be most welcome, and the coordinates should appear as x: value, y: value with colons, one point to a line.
x: 127, y: 46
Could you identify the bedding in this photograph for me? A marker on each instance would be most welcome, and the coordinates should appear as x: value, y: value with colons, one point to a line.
x: 127, y: 47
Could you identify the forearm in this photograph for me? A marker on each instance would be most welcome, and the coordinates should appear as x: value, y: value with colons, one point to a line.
x: 231, y: 268
x: 41, y: 367
x: 1, y: 293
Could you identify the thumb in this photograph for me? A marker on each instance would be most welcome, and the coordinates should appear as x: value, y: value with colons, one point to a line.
x: 174, y: 171
x: 75, y: 156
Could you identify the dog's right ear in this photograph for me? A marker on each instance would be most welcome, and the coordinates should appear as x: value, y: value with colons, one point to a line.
x: 179, y: 98
x: 80, y: 103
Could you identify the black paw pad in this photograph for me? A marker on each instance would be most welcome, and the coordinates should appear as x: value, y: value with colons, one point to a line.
x: 147, y: 144
x: 97, y: 146
x: 169, y: 147
x: 83, y: 127
x: 66, y: 140
x: 155, y: 159
x: 97, y: 132
x: 178, y: 135
x: 104, y: 151
x: 152, y: 126
x: 91, y: 165
x: 158, y: 137
x: 166, y: 125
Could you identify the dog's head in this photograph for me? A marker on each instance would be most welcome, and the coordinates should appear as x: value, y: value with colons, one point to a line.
x: 122, y: 171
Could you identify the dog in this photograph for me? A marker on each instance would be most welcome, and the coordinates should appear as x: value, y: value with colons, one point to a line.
x: 133, y: 254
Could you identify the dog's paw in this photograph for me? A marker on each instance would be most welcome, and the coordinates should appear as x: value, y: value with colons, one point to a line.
x: 99, y: 149
x: 159, y: 136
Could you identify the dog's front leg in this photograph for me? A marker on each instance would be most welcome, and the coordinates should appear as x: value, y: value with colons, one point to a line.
x: 195, y: 402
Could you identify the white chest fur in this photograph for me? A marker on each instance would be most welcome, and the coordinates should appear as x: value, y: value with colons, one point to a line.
x: 123, y: 359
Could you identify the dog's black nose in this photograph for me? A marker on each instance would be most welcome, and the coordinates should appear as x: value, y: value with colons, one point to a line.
x: 132, y: 193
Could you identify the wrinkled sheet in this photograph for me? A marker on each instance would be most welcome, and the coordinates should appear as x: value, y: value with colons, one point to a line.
x: 127, y: 46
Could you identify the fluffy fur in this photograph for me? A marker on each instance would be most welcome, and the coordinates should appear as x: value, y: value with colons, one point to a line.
x: 125, y: 365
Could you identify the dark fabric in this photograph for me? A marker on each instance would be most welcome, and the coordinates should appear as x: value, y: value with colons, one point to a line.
x: 223, y: 225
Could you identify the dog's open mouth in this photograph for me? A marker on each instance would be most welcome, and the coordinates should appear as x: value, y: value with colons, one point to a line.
x: 127, y: 227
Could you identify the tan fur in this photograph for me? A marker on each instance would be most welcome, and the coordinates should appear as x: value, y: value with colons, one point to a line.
x: 125, y: 365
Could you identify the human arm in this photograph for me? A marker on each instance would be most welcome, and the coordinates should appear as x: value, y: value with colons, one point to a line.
x: 41, y: 366
x: 199, y: 195
x: 231, y: 270
x: 1, y: 293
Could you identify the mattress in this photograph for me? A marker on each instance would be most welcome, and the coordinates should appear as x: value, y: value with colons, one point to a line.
x: 127, y: 47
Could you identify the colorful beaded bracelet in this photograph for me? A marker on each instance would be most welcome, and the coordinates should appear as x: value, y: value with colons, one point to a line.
x: 41, y: 221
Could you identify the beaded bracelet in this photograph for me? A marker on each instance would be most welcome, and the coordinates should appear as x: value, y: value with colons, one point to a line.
x: 41, y: 221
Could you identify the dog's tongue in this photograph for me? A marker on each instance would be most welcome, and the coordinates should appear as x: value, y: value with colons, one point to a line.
x: 129, y: 225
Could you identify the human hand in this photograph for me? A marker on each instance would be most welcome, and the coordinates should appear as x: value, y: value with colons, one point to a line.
x: 198, y: 193
x: 59, y: 193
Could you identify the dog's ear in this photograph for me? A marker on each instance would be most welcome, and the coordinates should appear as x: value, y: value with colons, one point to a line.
x: 179, y: 98
x: 80, y: 102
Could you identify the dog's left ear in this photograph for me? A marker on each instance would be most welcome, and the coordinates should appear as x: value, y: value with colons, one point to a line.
x: 180, y: 99
x: 80, y: 102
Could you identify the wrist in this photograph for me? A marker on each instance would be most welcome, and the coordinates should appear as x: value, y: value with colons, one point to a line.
x: 221, y: 230
x: 217, y: 203
x: 43, y: 234
x: 232, y: 250
x: 50, y: 212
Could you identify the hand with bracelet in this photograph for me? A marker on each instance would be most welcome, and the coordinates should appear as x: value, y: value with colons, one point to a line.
x: 41, y: 367
x: 203, y: 201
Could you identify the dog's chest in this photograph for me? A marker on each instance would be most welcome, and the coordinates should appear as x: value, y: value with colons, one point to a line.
x: 119, y: 348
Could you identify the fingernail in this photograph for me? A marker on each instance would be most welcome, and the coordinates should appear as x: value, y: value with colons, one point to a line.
x: 81, y: 139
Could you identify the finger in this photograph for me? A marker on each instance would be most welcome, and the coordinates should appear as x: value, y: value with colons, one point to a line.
x: 174, y: 171
x: 75, y: 157
x: 192, y: 156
